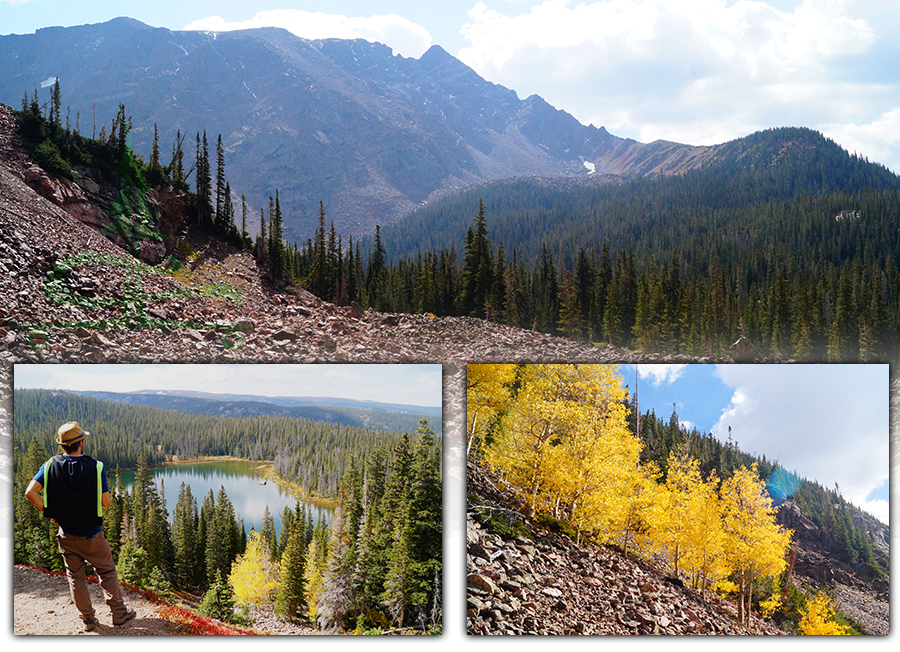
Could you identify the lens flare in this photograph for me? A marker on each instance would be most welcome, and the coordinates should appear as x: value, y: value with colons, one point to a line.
x: 782, y: 485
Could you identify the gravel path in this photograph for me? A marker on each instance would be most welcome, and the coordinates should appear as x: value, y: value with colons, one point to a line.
x: 42, y: 605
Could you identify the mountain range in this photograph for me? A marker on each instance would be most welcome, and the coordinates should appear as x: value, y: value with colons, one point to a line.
x: 370, y: 134
x: 365, y: 414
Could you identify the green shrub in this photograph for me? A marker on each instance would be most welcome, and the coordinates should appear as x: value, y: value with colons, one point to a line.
x: 48, y: 156
x: 555, y: 525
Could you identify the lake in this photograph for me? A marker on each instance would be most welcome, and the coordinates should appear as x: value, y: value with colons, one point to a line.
x: 244, y: 487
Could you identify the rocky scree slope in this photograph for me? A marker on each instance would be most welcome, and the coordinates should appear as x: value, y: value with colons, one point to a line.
x: 546, y: 583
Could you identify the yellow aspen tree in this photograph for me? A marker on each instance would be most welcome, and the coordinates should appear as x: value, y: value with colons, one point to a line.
x: 817, y: 618
x: 673, y: 528
x: 686, y: 525
x: 594, y: 463
x: 253, y: 575
x: 313, y: 574
x: 562, y: 437
x: 487, y: 393
x: 754, y: 543
x: 705, y: 559
x: 535, y: 422
x: 627, y: 521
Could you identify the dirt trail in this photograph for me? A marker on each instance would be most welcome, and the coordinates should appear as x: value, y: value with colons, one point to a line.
x: 42, y: 606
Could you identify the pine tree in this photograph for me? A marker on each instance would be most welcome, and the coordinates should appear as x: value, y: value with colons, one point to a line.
x: 335, y: 599
x: 218, y: 601
x: 155, y: 171
x: 184, y: 529
x: 220, y: 181
x: 276, y: 255
x: 291, y: 603
x: 203, y: 182
x: 30, y: 535
x: 477, y: 269
x: 268, y: 535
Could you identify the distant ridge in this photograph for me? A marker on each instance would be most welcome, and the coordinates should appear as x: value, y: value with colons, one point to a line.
x: 367, y: 414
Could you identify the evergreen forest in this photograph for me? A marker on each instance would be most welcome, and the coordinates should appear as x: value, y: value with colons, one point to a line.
x: 796, y: 251
x: 564, y: 439
x: 377, y: 568
x: 784, y: 238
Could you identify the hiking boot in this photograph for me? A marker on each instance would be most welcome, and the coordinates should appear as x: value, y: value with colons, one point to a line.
x: 89, y: 624
x: 124, y: 618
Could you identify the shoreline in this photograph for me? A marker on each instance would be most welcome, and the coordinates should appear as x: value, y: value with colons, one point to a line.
x: 264, y: 469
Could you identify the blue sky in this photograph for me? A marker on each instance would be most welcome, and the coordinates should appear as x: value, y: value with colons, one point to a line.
x: 699, y: 72
x: 829, y: 423
x: 413, y: 384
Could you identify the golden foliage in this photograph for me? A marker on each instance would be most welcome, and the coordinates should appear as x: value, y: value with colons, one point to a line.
x: 253, y: 576
x: 754, y: 543
x: 562, y: 443
x: 817, y: 618
x: 487, y: 393
x: 313, y: 573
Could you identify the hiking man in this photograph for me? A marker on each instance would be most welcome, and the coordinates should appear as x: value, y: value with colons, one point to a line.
x: 72, y: 490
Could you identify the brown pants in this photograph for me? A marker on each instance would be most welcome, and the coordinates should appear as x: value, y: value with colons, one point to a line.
x: 78, y: 550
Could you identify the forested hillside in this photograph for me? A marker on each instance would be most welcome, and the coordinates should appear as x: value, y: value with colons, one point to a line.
x: 774, y: 165
x: 561, y: 440
x: 373, y: 418
x: 850, y: 535
x: 785, y: 238
x: 315, y: 454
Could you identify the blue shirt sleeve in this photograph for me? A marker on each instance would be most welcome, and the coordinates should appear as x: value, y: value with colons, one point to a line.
x: 39, y: 476
x: 103, y: 477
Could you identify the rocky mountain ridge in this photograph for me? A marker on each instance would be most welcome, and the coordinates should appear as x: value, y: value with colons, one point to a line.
x: 371, y: 134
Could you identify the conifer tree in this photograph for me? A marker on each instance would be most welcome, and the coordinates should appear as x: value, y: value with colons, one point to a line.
x: 477, y: 268
x: 203, y: 182
x: 154, y: 171
x: 184, y: 529
x: 336, y: 597
x: 291, y: 603
x: 220, y: 181
x: 268, y: 535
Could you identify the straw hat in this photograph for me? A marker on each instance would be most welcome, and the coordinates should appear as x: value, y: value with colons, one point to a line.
x: 70, y: 433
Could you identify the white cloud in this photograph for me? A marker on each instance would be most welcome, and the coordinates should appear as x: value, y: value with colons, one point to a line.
x: 661, y: 373
x: 878, y: 139
x: 827, y: 422
x: 700, y: 72
x: 403, y: 36
x: 412, y: 384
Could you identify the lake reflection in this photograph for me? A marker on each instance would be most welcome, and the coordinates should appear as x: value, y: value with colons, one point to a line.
x: 248, y: 492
